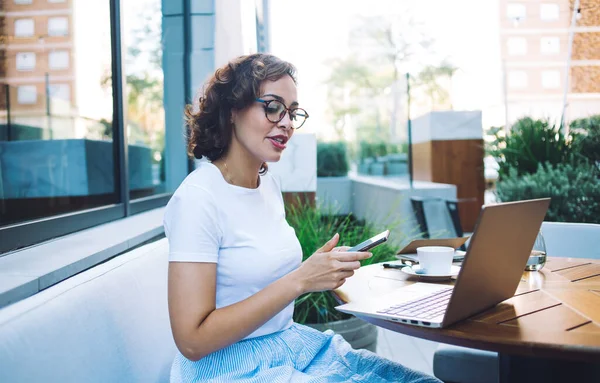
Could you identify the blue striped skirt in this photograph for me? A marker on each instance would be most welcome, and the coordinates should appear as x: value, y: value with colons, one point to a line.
x: 298, y: 354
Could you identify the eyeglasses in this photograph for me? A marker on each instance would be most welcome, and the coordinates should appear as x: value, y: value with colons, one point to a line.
x: 275, y: 111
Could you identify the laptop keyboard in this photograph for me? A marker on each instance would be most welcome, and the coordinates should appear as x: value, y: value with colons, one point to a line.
x: 427, y: 307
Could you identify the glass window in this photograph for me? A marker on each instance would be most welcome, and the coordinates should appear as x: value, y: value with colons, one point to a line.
x: 549, y: 11
x: 551, y: 79
x: 56, y: 1
x: 58, y: 60
x: 25, y: 61
x: 56, y: 149
x: 27, y: 94
x: 516, y: 46
x: 144, y: 96
x: 516, y: 11
x: 550, y: 45
x: 58, y: 26
x: 24, y: 28
x: 60, y: 91
x: 517, y: 79
x: 23, y: 1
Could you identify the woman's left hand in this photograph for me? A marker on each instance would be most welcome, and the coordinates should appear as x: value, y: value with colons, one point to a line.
x: 340, y: 248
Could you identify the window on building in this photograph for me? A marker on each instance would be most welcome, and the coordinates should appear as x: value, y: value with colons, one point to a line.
x: 23, y: 1
x: 61, y: 176
x: 56, y: 1
x: 60, y: 91
x: 58, y: 60
x: 146, y: 117
x: 517, y: 79
x: 24, y: 28
x: 63, y: 161
x: 58, y: 26
x: 550, y: 45
x: 551, y: 79
x: 516, y: 46
x: 25, y: 61
x: 26, y: 94
x: 549, y: 11
x: 516, y: 11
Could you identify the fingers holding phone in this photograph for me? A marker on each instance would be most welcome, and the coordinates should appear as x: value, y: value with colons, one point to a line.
x: 371, y: 242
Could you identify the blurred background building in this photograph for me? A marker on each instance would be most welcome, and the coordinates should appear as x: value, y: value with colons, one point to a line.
x: 36, y: 65
x: 537, y: 56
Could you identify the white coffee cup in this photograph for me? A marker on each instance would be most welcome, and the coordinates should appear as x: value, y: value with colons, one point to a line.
x: 435, y: 260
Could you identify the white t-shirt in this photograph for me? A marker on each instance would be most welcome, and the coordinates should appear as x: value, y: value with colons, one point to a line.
x: 243, y: 230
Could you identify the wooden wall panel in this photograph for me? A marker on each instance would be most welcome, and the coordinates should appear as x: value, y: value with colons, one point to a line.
x: 456, y: 162
x: 460, y: 162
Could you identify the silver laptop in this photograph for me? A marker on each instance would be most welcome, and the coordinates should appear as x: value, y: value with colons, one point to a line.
x: 490, y: 273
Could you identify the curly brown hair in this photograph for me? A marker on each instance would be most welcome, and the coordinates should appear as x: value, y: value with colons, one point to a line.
x: 233, y: 86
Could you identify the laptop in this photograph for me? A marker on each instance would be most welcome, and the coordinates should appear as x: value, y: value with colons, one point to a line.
x: 491, y: 271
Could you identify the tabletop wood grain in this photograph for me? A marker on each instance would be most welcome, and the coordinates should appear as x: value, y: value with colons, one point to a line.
x: 555, y: 312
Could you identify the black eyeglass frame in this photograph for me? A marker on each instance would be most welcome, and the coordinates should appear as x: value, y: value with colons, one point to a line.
x: 286, y: 110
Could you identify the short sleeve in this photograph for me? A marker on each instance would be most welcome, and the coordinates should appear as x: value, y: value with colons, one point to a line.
x: 192, y: 226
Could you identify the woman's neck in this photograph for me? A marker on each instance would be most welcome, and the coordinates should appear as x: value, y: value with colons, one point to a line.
x: 238, y: 169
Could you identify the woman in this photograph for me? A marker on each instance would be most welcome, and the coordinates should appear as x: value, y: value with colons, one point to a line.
x: 235, y: 264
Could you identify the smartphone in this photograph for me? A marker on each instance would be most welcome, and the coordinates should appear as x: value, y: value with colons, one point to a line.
x: 371, y: 242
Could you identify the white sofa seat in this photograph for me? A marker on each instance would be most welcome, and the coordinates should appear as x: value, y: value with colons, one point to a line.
x: 107, y: 324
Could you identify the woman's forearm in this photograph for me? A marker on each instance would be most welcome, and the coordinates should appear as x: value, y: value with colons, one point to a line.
x: 228, y: 325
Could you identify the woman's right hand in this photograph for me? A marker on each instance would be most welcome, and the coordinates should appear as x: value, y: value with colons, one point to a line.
x: 328, y: 268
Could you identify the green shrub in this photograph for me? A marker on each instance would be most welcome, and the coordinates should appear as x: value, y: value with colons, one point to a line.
x: 529, y: 144
x: 586, y: 137
x: 574, y: 189
x: 332, y: 160
x: 313, y: 228
x: 380, y: 149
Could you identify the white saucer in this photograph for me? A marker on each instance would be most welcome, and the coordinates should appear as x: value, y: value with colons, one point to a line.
x: 415, y: 270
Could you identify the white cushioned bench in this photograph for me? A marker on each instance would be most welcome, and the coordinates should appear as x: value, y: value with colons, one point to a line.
x: 107, y: 324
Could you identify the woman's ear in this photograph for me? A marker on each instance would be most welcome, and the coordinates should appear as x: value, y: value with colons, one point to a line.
x: 233, y: 116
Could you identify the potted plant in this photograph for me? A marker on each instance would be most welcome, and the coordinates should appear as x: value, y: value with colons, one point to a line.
x: 367, y: 155
x: 313, y: 228
x: 334, y: 188
x: 378, y: 168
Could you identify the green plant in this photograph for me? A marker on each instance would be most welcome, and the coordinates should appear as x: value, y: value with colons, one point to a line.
x: 332, y: 160
x: 529, y: 143
x: 380, y: 149
x: 574, y: 189
x: 315, y: 227
x: 366, y: 150
x: 586, y: 137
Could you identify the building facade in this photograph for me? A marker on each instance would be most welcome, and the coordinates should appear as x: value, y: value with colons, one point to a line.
x: 36, y: 63
x: 535, y: 39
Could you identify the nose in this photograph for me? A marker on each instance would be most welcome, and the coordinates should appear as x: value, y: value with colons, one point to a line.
x: 286, y: 121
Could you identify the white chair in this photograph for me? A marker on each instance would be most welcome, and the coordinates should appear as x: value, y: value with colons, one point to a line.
x: 466, y: 365
x: 574, y: 240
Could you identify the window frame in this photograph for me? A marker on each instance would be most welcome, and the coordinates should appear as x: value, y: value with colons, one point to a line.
x: 511, y: 15
x: 26, y: 69
x: 28, y: 233
x: 545, y: 6
x: 53, y: 54
x: 20, y: 21
x: 55, y: 32
x: 544, y: 42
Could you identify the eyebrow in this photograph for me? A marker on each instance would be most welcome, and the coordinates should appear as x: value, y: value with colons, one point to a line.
x: 279, y: 98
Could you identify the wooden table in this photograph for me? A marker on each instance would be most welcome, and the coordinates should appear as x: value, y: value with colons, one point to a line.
x: 554, y: 314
